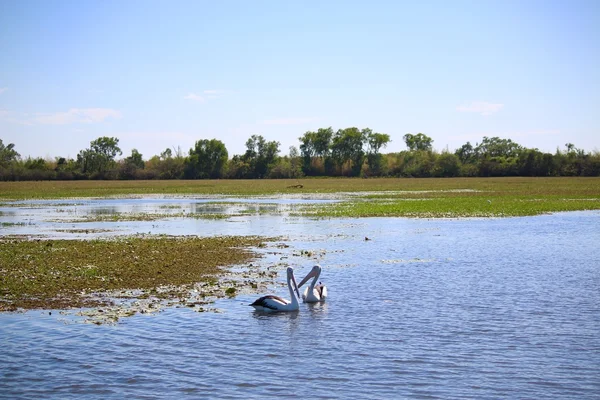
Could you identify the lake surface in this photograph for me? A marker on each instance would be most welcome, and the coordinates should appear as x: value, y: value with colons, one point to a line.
x: 424, y: 309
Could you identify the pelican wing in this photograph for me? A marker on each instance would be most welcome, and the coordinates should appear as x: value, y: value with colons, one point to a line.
x: 270, y: 302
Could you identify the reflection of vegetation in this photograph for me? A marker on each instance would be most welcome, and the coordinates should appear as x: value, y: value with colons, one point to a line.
x: 67, y: 273
x: 122, y: 216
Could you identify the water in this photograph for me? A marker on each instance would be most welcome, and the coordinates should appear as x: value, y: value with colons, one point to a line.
x: 425, y: 309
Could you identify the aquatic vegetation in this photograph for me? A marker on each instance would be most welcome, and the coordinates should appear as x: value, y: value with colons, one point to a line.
x: 452, y: 207
x: 124, y: 216
x: 402, y: 197
x: 58, y: 274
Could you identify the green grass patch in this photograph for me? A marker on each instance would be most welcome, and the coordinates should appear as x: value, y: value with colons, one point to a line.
x: 66, y: 273
x: 454, y: 207
x: 403, y: 197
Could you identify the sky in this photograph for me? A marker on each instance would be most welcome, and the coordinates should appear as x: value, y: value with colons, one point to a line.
x: 164, y: 74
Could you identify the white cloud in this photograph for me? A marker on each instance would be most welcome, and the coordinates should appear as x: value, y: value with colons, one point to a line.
x: 194, y: 97
x: 481, y: 107
x: 206, y: 95
x: 14, y: 118
x: 76, y: 115
x: 3, y: 89
x: 289, y: 121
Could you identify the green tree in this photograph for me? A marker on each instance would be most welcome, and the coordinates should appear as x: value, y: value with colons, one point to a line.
x: 260, y: 155
x: 207, y: 159
x: 315, y: 148
x: 295, y: 166
x: 7, y: 154
x: 496, y: 147
x: 466, y: 153
x: 166, y: 154
x: 100, y: 157
x: 287, y: 166
x: 417, y: 164
x: 135, y: 159
x: 129, y: 167
x: 36, y: 163
x: 446, y: 165
x: 375, y: 141
x: 347, y: 148
x: 418, y: 142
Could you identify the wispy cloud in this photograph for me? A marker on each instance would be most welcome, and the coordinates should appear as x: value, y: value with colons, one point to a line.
x: 481, y: 107
x: 194, y: 97
x: 14, y: 118
x: 213, y: 92
x: 76, y: 116
x: 206, y: 95
x: 289, y: 121
x: 3, y: 89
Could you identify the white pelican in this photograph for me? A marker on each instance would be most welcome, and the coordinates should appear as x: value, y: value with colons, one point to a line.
x: 275, y: 303
x: 313, y: 294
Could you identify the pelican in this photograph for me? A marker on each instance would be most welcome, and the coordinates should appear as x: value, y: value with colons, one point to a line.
x: 275, y: 303
x: 313, y: 294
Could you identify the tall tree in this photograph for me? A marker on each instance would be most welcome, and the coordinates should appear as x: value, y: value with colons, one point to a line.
x: 100, y: 156
x: 418, y: 142
x: 260, y: 155
x: 347, y: 147
x: 207, y: 159
x: 375, y: 141
x: 295, y: 167
x: 135, y: 159
x: 496, y: 147
x: 315, y: 148
x: 7, y: 154
x: 466, y: 153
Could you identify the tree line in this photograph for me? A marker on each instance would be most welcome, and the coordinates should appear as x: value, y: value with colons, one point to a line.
x: 325, y: 152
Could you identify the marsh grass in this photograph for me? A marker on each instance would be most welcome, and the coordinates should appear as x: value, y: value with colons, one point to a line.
x: 61, y: 274
x: 432, y: 197
x: 453, y: 207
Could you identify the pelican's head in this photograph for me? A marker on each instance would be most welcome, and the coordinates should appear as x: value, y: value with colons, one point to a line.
x: 314, y: 272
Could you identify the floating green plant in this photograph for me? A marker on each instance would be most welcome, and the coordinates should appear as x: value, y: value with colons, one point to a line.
x: 74, y: 273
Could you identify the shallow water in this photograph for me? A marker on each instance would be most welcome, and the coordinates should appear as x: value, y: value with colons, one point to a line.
x: 466, y: 308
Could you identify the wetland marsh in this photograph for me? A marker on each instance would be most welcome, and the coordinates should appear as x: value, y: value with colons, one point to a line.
x: 487, y: 306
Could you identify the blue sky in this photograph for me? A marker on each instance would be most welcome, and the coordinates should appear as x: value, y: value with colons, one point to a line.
x: 159, y: 74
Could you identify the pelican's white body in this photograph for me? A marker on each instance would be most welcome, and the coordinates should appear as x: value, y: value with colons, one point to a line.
x: 271, y: 303
x: 314, y: 293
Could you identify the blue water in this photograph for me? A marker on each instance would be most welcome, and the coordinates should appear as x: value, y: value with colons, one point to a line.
x: 425, y: 309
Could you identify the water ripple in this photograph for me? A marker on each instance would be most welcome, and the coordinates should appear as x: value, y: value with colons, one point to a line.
x: 497, y: 309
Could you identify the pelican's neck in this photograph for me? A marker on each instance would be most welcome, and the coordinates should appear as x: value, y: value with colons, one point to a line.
x: 314, y: 282
x: 292, y: 293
